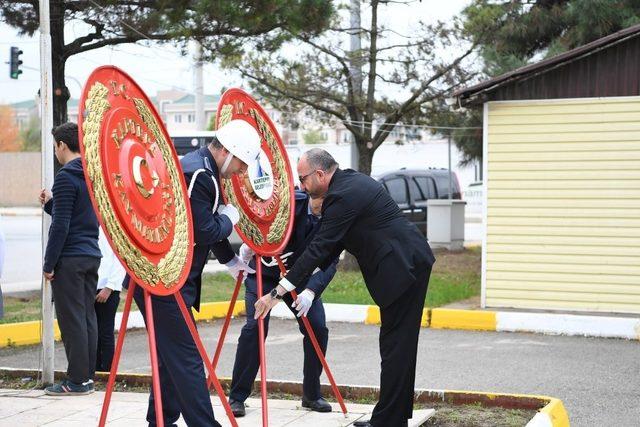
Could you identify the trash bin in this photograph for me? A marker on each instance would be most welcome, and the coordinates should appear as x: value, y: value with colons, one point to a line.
x: 445, y: 223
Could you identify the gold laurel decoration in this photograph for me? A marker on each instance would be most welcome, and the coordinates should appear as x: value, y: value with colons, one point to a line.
x: 226, y: 114
x: 171, y: 264
x: 168, y: 270
x: 281, y: 185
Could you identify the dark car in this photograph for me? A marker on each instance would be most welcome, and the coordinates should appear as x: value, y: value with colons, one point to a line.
x: 411, y: 189
x: 186, y: 142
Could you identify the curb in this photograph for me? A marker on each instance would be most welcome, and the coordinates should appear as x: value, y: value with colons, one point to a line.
x: 25, y: 333
x: 498, y: 321
x: 543, y: 323
x: 22, y: 211
x: 551, y: 411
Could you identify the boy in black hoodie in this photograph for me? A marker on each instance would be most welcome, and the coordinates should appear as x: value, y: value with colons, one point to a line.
x: 71, y: 263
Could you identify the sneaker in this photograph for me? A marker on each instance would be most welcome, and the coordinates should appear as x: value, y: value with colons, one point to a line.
x: 68, y: 388
x: 237, y: 408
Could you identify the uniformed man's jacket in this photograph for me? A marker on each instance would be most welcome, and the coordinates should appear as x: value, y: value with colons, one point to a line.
x: 210, y: 230
x: 360, y: 216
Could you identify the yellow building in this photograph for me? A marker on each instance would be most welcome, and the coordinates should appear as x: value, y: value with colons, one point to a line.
x: 562, y: 180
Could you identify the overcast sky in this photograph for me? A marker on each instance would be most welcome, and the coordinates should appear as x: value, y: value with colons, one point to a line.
x: 162, y: 67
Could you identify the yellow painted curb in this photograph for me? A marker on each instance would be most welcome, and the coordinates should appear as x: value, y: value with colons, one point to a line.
x: 426, y: 318
x: 445, y: 318
x: 27, y: 333
x: 557, y: 413
x: 23, y: 333
x: 373, y: 315
x: 217, y: 310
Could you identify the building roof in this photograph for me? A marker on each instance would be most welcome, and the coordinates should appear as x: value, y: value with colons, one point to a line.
x: 191, y: 99
x: 482, y: 91
x: 31, y: 103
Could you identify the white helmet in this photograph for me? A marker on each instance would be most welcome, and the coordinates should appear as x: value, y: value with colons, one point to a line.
x: 240, y: 139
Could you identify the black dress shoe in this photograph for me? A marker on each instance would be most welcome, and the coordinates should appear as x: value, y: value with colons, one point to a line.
x: 237, y: 408
x: 362, y: 424
x: 319, y: 405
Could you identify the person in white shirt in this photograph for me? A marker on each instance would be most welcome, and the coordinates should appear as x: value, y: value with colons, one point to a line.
x: 110, y: 277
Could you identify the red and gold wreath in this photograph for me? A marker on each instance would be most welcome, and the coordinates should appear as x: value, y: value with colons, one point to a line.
x: 265, y: 194
x: 135, y: 181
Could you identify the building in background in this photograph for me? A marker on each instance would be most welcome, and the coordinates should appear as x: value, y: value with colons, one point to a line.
x: 562, y: 193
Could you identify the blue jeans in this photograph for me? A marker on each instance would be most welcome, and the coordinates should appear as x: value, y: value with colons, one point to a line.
x: 247, y: 360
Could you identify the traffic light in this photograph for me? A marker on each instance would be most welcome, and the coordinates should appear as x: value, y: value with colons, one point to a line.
x: 14, y: 69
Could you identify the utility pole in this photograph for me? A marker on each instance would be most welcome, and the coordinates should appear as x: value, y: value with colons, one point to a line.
x: 449, y: 156
x: 199, y: 87
x: 355, y: 65
x: 46, y: 117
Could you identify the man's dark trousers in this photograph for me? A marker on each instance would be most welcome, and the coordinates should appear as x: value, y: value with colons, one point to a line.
x: 247, y: 360
x: 182, y: 379
x: 399, y: 334
x: 106, y: 316
x: 74, y: 292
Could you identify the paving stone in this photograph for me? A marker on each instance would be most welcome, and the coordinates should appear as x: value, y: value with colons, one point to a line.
x: 129, y: 410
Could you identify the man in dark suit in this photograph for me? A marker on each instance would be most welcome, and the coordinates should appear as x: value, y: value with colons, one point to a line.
x: 359, y: 215
x: 245, y: 368
x: 182, y: 379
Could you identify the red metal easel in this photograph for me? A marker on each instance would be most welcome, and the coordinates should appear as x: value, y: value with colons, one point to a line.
x: 213, y: 379
x: 307, y: 325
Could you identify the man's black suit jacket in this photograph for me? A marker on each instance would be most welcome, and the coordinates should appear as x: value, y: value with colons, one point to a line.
x: 359, y: 215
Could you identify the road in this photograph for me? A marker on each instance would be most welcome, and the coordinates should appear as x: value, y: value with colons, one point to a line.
x: 598, y: 379
x: 22, y: 264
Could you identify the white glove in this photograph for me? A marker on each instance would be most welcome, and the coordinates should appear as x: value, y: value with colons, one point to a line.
x: 231, y: 212
x: 303, y: 302
x: 237, y: 266
x: 246, y: 253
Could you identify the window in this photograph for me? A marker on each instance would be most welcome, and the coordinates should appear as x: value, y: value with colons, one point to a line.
x: 416, y: 193
x: 398, y: 190
x: 178, y: 118
x: 191, y: 118
x: 443, y: 186
x: 427, y: 186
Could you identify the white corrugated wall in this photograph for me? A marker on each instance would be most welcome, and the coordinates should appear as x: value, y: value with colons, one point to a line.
x: 563, y: 204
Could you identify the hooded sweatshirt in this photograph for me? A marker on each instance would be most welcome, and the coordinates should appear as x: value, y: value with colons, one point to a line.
x: 74, y: 226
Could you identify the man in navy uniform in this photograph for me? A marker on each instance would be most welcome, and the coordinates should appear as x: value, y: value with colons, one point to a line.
x: 183, y: 382
x: 395, y: 259
x: 245, y: 368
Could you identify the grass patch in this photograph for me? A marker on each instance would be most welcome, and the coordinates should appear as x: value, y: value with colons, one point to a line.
x: 448, y: 415
x: 21, y: 309
x: 455, y: 277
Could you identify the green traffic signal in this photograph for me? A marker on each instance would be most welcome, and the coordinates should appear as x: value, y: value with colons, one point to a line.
x: 15, y: 62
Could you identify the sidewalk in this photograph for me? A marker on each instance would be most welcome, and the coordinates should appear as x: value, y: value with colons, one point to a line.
x: 21, y: 211
x: 34, y: 408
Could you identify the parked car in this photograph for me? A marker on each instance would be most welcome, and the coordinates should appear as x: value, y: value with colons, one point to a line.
x: 187, y: 141
x: 411, y: 189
